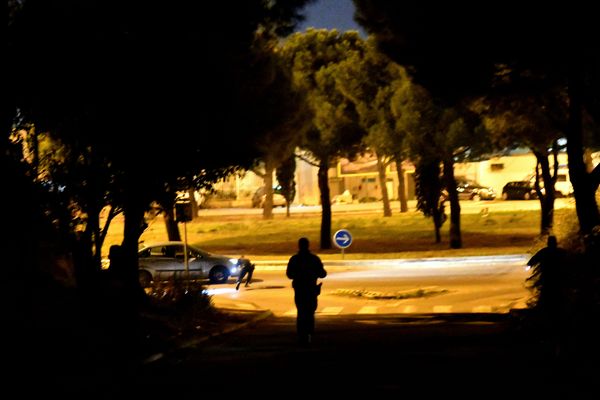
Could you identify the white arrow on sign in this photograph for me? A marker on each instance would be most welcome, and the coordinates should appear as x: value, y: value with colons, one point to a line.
x: 345, y: 238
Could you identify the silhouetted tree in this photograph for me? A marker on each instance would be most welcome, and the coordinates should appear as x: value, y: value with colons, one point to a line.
x: 428, y: 190
x: 123, y: 87
x: 314, y: 57
x: 285, y: 177
x: 369, y: 79
x: 554, y: 44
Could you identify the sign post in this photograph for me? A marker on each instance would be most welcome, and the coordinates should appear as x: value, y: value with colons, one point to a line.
x: 183, y: 213
x: 342, y: 239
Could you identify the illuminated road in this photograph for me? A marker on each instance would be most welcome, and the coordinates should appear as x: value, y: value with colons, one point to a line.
x: 365, y: 347
x: 491, y: 284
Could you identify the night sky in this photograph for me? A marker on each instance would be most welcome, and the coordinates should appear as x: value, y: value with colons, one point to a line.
x: 331, y: 14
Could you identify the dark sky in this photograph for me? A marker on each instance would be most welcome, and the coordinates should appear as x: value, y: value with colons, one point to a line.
x: 331, y: 14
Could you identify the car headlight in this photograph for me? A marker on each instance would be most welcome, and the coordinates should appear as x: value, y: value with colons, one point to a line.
x: 233, y: 270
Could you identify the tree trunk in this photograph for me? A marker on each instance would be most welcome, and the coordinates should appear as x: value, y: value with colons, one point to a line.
x: 325, y: 204
x: 401, y: 185
x: 112, y: 213
x: 546, y: 199
x: 268, y: 179
x: 450, y: 183
x: 387, y: 211
x: 437, y: 225
x: 170, y: 223
x: 133, y: 228
x: 93, y: 232
x: 584, y: 189
x: 192, y: 196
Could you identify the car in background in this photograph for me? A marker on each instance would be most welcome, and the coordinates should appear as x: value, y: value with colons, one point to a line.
x: 163, y: 261
x: 258, y: 199
x: 519, y: 190
x: 563, y: 186
x: 472, y: 190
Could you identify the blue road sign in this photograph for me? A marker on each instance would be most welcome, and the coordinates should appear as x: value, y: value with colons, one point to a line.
x: 342, y: 238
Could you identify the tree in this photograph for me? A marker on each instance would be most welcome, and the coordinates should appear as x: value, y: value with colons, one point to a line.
x: 442, y: 133
x: 553, y: 44
x: 285, y: 176
x: 428, y: 189
x: 314, y: 57
x: 369, y: 79
x: 123, y: 85
x: 536, y: 121
x: 282, y: 129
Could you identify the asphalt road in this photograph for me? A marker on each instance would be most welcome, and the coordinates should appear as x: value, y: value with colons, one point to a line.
x: 393, y: 286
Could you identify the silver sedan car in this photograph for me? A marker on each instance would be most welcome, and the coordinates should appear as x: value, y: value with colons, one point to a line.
x: 165, y: 260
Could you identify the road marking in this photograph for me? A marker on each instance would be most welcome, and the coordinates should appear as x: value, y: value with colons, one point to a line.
x: 409, y: 309
x: 482, y: 309
x: 442, y: 309
x: 368, y: 310
x: 330, y: 310
x: 291, y: 312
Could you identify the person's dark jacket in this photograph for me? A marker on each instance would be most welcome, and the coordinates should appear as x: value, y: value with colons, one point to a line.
x: 304, y: 268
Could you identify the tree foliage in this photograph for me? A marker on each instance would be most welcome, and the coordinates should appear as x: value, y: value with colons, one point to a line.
x: 314, y: 57
x: 154, y: 93
x: 285, y: 177
x: 551, y: 45
x: 369, y: 79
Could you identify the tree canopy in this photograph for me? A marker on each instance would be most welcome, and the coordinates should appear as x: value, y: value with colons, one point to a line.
x: 459, y: 50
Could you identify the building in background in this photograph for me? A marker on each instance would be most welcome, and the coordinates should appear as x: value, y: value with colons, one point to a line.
x: 360, y: 178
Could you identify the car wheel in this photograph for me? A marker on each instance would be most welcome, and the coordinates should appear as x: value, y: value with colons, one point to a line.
x: 145, y: 279
x: 504, y: 196
x: 526, y: 196
x: 476, y: 197
x: 218, y: 274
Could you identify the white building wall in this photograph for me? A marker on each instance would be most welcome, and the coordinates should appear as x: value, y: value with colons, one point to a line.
x: 497, y: 171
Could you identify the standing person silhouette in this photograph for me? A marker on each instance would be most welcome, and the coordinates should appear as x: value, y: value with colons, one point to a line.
x: 304, y: 268
x: 550, y: 282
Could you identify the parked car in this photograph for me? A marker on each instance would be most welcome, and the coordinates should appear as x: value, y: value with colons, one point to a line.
x: 258, y: 199
x: 563, y: 186
x: 522, y: 190
x: 471, y: 190
x: 165, y: 260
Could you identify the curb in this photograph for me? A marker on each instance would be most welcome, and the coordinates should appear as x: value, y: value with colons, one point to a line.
x: 194, y: 342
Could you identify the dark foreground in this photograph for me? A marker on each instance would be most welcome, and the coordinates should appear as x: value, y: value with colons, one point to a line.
x: 233, y: 353
x: 474, y: 356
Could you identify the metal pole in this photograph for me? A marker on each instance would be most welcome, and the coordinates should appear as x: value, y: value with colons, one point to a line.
x: 185, y: 257
x: 342, y: 253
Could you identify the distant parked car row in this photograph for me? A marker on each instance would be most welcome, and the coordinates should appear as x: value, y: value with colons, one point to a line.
x: 519, y: 190
x: 471, y: 190
x: 525, y: 189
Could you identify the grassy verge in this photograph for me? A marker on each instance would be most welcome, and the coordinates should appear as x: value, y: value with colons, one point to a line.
x: 406, y: 235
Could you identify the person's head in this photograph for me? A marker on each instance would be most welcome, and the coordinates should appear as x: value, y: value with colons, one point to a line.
x: 552, y: 241
x: 303, y: 244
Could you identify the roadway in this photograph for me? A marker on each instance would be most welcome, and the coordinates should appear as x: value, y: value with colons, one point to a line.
x: 483, y: 284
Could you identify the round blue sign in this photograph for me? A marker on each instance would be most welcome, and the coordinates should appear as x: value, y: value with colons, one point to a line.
x: 342, y: 238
